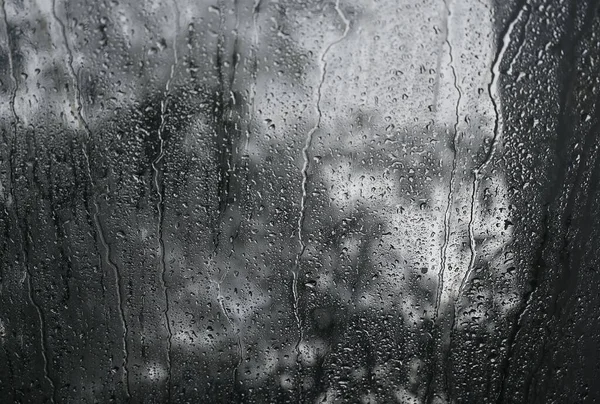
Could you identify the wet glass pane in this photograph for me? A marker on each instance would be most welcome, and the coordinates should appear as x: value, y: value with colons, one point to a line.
x: 276, y: 201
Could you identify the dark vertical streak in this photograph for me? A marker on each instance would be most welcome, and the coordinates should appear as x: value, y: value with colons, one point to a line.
x: 223, y: 104
x: 11, y: 67
x: 23, y: 233
x: 526, y: 303
x: 566, y: 271
x: 560, y: 172
x: 11, y: 369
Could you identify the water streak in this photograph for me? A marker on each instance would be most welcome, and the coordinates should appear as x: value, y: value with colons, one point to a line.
x: 160, y: 202
x: 253, y: 83
x: 13, y: 94
x: 229, y: 170
x: 509, y: 71
x: 304, y: 171
x: 230, y: 320
x: 105, y: 256
x: 119, y: 292
x: 40, y: 314
x: 493, y: 92
x: 447, y: 213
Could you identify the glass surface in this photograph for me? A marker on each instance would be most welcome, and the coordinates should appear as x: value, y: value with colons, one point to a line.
x: 277, y: 201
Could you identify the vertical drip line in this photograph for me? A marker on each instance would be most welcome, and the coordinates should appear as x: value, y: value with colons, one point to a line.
x: 231, y: 169
x: 494, y: 98
x: 253, y: 83
x: 119, y: 292
x: 235, y: 57
x: 11, y: 369
x: 447, y: 214
x: 24, y: 236
x: 221, y: 130
x: 27, y: 242
x: 236, y: 62
x: 252, y: 95
x: 17, y: 119
x: 96, y: 219
x: 13, y: 94
x: 304, y: 172
x: 438, y: 63
x: 439, y: 332
x: 229, y: 318
x: 160, y: 202
x: 509, y: 71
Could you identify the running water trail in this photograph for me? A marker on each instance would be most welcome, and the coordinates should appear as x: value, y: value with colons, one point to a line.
x: 232, y: 168
x: 159, y: 188
x: 41, y: 318
x: 447, y: 213
x: 104, y: 251
x: 304, y: 172
x: 493, y: 92
x: 26, y: 240
x: 253, y: 83
x: 441, y: 333
x: 527, y: 9
x: 13, y: 77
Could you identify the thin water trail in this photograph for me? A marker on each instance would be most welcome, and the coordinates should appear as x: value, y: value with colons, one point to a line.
x: 235, y: 58
x: 494, y: 98
x: 230, y: 320
x: 27, y: 242
x: 232, y: 169
x: 517, y: 54
x: 15, y: 89
x: 104, y: 251
x: 43, y: 336
x: 251, y: 111
x: 17, y: 119
x: 493, y: 92
x: 236, y: 61
x: 253, y: 82
x: 447, y: 213
x: 159, y: 188
x: 511, y: 342
x: 225, y: 150
x: 235, y: 55
x: 304, y: 172
x: 439, y: 332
